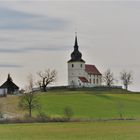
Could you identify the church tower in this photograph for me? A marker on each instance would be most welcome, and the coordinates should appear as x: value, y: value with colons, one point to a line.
x: 76, y: 66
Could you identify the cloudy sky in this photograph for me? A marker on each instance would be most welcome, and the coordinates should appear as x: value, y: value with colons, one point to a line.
x: 35, y: 35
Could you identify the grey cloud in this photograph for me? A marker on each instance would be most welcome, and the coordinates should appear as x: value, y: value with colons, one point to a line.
x: 6, y: 13
x: 11, y: 50
x: 32, y: 49
x: 53, y: 48
x: 2, y: 39
x: 15, y: 20
x: 10, y: 66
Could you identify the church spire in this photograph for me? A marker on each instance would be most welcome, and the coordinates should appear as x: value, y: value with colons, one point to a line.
x: 76, y: 55
x: 76, y: 42
x: 9, y: 77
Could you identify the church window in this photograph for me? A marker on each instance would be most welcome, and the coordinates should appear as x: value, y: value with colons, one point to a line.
x: 81, y: 65
x: 72, y: 65
x: 94, y: 81
x: 97, y: 81
x: 90, y: 80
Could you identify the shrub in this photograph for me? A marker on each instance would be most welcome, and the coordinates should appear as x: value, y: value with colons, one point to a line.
x: 68, y: 113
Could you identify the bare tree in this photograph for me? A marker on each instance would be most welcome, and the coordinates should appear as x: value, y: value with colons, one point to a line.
x: 126, y: 78
x: 30, y: 85
x: 29, y: 100
x: 46, y: 77
x: 108, y: 78
x: 38, y: 84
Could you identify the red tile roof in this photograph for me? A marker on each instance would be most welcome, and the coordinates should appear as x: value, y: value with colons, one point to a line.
x: 91, y: 69
x: 83, y: 79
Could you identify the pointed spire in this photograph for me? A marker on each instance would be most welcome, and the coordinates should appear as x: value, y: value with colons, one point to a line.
x: 76, y: 55
x: 9, y: 77
x: 76, y: 42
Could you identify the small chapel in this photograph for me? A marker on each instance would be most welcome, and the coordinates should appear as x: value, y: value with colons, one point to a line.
x: 81, y: 74
x: 8, y: 87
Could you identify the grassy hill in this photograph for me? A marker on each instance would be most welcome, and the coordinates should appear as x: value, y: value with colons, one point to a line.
x: 92, y: 104
x: 84, y: 104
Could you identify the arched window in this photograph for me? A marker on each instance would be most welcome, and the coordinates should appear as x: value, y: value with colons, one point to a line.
x: 72, y: 65
x: 97, y: 81
x: 94, y: 81
x: 81, y: 65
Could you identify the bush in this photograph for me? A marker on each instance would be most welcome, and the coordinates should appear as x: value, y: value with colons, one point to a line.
x: 68, y: 113
x: 42, y: 116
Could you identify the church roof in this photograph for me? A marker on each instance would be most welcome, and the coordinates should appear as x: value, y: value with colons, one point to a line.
x: 83, y: 79
x: 9, y: 83
x: 76, y: 55
x: 91, y: 69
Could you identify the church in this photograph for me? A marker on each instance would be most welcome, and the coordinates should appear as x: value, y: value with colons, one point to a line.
x: 8, y: 87
x: 81, y: 74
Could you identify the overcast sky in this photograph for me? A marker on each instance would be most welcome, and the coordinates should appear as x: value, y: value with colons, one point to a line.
x: 35, y: 35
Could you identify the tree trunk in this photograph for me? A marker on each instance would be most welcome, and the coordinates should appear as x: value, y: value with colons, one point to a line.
x: 44, y: 85
x: 30, y: 112
x: 108, y: 84
x: 44, y: 88
x: 126, y: 87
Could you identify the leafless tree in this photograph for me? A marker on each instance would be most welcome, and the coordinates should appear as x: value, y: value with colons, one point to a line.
x: 29, y: 100
x: 108, y: 78
x: 46, y: 77
x: 126, y: 78
x: 38, y: 84
x: 30, y: 85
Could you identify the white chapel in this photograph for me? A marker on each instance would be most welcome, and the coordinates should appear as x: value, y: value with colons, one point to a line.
x: 81, y: 74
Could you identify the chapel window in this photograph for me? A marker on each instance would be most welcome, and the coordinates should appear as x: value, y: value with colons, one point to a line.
x: 90, y: 80
x: 97, y: 81
x: 94, y: 80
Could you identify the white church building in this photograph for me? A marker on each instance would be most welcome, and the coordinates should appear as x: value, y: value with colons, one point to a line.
x: 81, y: 74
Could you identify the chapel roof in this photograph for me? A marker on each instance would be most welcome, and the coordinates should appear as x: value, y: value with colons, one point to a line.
x: 83, y: 79
x: 91, y: 69
x: 9, y: 83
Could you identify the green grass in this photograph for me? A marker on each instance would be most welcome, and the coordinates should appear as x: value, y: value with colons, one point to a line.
x: 113, y: 130
x: 85, y: 104
x: 89, y: 104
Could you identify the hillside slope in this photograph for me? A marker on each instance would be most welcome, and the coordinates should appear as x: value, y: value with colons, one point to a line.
x: 84, y: 104
x: 89, y: 104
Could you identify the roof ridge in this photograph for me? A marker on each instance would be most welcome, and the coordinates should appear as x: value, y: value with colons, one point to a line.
x: 90, y: 64
x: 91, y: 69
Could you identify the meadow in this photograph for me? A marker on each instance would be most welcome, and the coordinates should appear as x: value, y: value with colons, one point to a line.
x: 84, y: 104
x: 111, y: 130
x: 90, y: 105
